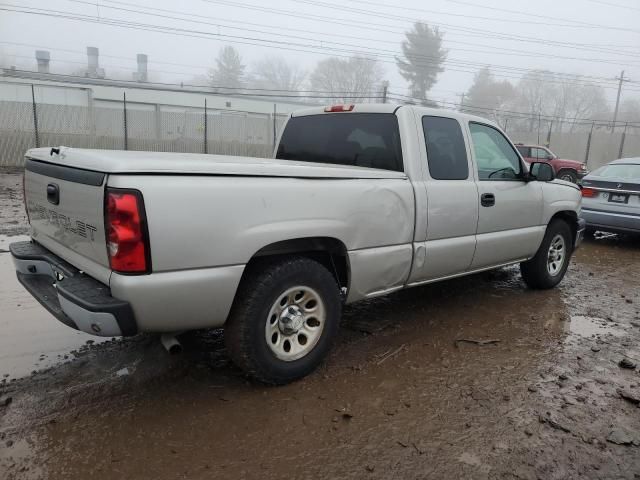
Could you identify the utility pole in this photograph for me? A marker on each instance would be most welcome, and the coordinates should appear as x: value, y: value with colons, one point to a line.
x: 35, y: 115
x: 624, y: 134
x: 586, y: 155
x: 461, y: 95
x: 385, y: 89
x: 126, y: 132
x: 205, y: 127
x: 615, y: 112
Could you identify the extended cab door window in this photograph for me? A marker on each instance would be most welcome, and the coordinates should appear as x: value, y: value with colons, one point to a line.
x: 495, y: 157
x: 359, y: 139
x: 446, y: 151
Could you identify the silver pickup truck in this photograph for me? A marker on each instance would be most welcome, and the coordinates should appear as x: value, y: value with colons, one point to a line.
x: 359, y: 201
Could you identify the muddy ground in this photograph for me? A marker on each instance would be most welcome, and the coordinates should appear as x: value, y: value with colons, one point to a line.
x: 407, y: 393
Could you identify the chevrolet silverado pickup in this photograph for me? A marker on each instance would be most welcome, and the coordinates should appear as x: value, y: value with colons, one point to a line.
x: 359, y: 201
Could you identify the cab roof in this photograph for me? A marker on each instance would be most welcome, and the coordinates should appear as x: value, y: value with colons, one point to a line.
x: 392, y: 108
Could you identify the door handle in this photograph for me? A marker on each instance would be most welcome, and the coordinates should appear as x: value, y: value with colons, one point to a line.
x: 487, y: 199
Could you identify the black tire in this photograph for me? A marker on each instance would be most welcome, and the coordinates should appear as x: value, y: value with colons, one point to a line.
x: 535, y: 272
x: 568, y: 175
x: 263, y: 285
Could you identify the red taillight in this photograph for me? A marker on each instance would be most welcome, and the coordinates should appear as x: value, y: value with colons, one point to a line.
x: 339, y: 108
x: 589, y: 192
x: 125, y: 226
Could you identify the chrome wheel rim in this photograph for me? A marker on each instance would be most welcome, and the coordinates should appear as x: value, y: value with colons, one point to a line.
x: 556, y: 255
x: 566, y: 177
x: 295, y: 323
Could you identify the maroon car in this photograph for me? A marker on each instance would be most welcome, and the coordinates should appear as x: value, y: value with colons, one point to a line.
x: 570, y: 170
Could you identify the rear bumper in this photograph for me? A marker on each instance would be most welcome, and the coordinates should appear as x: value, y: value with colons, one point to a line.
x: 74, y: 298
x: 611, y: 221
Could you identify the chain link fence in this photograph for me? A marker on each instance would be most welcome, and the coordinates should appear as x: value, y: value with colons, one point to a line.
x: 43, y: 115
x: 47, y: 115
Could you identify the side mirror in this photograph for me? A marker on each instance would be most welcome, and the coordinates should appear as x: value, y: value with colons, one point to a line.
x: 550, y: 157
x: 541, y: 171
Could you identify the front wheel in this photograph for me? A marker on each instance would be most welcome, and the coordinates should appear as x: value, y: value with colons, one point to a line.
x: 550, y: 263
x: 283, y: 320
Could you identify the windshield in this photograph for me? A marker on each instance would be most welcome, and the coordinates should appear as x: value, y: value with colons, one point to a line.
x: 620, y: 170
x: 358, y: 139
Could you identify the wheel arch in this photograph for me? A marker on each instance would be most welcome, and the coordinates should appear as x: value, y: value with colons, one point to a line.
x: 328, y: 251
x: 570, y: 218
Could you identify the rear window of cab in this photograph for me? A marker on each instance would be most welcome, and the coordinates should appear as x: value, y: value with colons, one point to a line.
x: 369, y: 140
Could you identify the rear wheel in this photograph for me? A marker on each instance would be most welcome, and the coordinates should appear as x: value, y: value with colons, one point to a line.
x: 284, y: 319
x: 568, y: 175
x: 550, y: 263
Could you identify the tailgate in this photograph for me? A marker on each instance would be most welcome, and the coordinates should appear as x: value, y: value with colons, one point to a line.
x: 66, y: 212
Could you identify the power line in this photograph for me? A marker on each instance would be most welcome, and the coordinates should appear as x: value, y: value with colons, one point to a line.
x: 617, y: 5
x: 273, y: 43
x: 523, y: 115
x: 333, y: 33
x: 517, y: 12
x: 463, y: 63
x: 287, y: 45
x: 471, y: 31
x: 301, y: 94
x: 571, y: 24
x: 23, y: 74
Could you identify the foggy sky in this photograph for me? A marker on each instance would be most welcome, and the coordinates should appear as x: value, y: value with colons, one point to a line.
x: 57, y: 35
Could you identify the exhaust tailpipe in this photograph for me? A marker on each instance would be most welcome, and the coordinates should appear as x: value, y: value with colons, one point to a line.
x: 171, y: 343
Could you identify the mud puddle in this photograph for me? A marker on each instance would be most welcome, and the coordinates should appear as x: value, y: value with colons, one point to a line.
x: 588, y: 327
x: 423, y: 393
x: 13, y: 218
x: 31, y: 339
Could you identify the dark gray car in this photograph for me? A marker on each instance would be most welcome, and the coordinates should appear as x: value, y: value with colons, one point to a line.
x: 611, y: 197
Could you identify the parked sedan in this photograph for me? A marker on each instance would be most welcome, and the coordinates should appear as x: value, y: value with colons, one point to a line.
x: 611, y: 197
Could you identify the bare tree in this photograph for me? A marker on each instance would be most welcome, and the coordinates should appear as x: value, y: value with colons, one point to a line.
x: 488, y: 97
x: 275, y: 73
x: 346, y: 80
x: 585, y: 101
x: 422, y: 60
x: 229, y: 70
x: 536, y: 95
x: 561, y: 99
